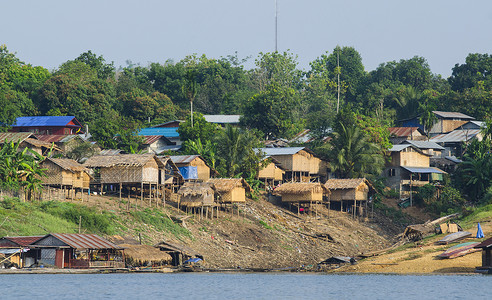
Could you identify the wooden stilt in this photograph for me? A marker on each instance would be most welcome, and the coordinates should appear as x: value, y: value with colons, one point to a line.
x: 141, y: 193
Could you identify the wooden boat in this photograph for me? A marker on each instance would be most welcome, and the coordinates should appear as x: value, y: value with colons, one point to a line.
x: 453, y: 237
x: 460, y: 250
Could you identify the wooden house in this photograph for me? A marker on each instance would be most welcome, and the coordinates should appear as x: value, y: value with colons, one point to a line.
x: 455, y: 142
x: 66, y: 143
x: 230, y: 190
x: 348, y: 194
x: 446, y: 122
x: 300, y: 192
x: 155, y: 144
x: 64, y: 172
x: 486, y: 247
x: 60, y: 125
x: 300, y: 163
x: 204, y: 171
x: 28, y: 140
x: 427, y: 147
x: 409, y: 167
x: 15, y: 251
x: 196, y: 194
x: 81, y: 251
x: 271, y: 173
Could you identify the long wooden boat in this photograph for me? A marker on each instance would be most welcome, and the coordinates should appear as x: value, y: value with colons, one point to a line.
x: 453, y: 237
x: 460, y: 250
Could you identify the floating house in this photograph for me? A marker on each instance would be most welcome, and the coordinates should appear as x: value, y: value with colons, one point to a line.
x: 59, y: 125
x: 15, y: 251
x: 179, y: 253
x: 230, y: 190
x: 81, y: 251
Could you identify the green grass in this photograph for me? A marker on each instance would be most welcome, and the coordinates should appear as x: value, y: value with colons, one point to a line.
x: 159, y: 221
x: 264, y: 224
x: 478, y: 214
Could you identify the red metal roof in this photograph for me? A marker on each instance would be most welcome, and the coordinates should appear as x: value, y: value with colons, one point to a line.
x: 150, y: 139
x: 85, y: 241
x: 485, y: 244
x: 23, y: 241
x: 55, y: 138
x: 402, y: 131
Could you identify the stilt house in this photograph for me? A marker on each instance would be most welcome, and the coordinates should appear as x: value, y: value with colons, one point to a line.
x: 204, y: 171
x: 196, y: 194
x: 300, y: 192
x: 348, y: 194
x: 230, y: 190
x: 64, y: 172
x: 272, y: 173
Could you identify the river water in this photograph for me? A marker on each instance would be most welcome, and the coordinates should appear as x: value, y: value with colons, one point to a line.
x: 244, y: 286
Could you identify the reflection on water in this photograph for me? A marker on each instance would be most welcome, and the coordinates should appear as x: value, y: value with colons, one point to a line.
x: 243, y: 286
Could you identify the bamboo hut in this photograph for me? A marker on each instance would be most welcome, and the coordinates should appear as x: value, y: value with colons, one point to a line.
x: 203, y: 169
x: 67, y: 175
x: 300, y: 163
x: 301, y: 194
x: 129, y: 171
x: 230, y: 190
x: 145, y: 256
x: 349, y: 195
x: 271, y: 173
x: 196, y: 194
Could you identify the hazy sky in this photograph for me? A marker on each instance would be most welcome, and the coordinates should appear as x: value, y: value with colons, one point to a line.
x: 50, y: 32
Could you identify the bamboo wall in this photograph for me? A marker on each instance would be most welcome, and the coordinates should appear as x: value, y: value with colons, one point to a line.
x: 409, y: 158
x: 237, y: 194
x: 304, y: 197
x: 446, y: 125
x: 148, y: 174
x: 206, y: 199
x: 349, y: 194
x: 271, y: 171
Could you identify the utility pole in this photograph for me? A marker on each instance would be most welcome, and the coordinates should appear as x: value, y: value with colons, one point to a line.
x: 338, y: 79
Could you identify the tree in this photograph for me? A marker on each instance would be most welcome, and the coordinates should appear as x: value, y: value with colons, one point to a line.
x: 201, y: 129
x: 271, y: 111
x: 276, y: 68
x: 477, y: 70
x: 98, y: 64
x: 189, y: 89
x: 427, y: 117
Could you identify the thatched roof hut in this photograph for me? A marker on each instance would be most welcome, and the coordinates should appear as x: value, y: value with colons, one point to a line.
x: 65, y: 172
x: 301, y: 191
x: 145, y: 255
x: 348, y: 189
x: 230, y: 190
x: 126, y: 168
x: 196, y: 194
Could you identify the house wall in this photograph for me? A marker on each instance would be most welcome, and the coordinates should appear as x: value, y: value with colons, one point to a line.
x: 409, y: 157
x: 237, y: 194
x: 150, y: 172
x: 201, y: 167
x: 304, y: 197
x: 46, y: 130
x: 121, y: 174
x: 198, y: 200
x: 267, y: 172
x: 446, y: 125
x: 318, y: 166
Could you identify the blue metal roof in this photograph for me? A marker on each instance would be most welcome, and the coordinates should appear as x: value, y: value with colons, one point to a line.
x: 44, y: 121
x: 165, y: 131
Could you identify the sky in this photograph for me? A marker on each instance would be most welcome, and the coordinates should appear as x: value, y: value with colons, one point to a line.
x: 50, y: 32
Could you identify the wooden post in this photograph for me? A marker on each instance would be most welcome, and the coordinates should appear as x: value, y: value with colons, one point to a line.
x: 141, y: 193
x: 120, y: 190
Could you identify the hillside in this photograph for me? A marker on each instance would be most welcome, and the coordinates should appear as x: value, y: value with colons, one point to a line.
x: 262, y: 236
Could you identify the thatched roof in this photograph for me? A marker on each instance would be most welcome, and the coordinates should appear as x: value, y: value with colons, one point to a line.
x: 195, y: 189
x: 121, y: 160
x: 7, y: 137
x: 341, y: 184
x: 224, y: 185
x: 299, y: 188
x: 68, y: 164
x: 145, y: 253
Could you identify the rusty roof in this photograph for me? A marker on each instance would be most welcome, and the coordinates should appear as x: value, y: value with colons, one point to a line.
x: 83, y: 241
x: 402, y: 131
x: 56, y: 138
x: 24, y: 241
x: 485, y: 244
x: 14, y: 136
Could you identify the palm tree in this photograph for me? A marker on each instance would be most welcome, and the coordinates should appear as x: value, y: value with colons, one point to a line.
x: 353, y: 155
x: 427, y: 117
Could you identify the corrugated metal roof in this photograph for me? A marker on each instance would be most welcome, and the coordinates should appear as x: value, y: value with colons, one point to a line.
x: 398, y: 148
x: 456, y: 136
x: 453, y: 159
x: 55, y: 138
x: 14, y: 136
x: 150, y: 139
x: 183, y: 159
x: 282, y: 151
x: 85, y: 241
x: 164, y: 131
x: 452, y: 115
x: 222, y: 119
x: 485, y: 244
x: 402, y: 131
x: 46, y: 121
x: 23, y: 241
x: 177, y: 122
x: 474, y: 125
x: 424, y: 144
x: 424, y: 170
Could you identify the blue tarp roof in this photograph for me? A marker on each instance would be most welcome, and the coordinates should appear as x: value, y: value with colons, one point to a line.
x: 168, y: 132
x: 45, y: 121
x: 189, y: 172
